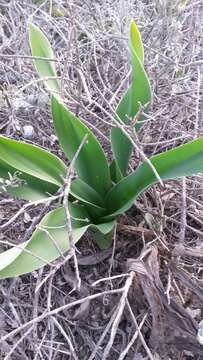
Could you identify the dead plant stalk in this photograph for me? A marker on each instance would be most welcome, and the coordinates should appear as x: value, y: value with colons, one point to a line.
x: 67, y: 185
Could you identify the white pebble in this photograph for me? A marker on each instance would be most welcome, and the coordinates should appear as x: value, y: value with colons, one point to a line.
x: 28, y: 131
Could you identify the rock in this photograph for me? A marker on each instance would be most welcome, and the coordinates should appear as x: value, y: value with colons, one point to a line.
x: 28, y: 131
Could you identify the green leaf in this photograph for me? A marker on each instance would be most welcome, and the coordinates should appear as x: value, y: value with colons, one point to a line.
x: 48, y: 242
x: 41, y: 47
x: 91, y: 199
x: 103, y: 234
x: 185, y: 160
x: 138, y: 93
x: 32, y: 160
x: 91, y: 164
x: 103, y: 241
x: 83, y: 192
x: 136, y: 41
x: 115, y: 172
x: 26, y: 187
x: 105, y: 228
x: 44, y: 246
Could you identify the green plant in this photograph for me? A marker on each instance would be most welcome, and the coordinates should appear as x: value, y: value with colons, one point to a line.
x: 101, y: 191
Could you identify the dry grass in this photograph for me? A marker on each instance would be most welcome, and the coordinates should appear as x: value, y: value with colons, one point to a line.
x: 90, y: 42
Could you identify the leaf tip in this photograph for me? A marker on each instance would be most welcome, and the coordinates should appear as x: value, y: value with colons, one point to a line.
x: 136, y: 40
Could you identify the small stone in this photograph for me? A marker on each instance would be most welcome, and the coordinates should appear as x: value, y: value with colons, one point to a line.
x: 200, y: 332
x: 32, y: 99
x: 194, y: 313
x: 42, y: 100
x: 53, y: 139
x: 28, y: 131
x: 17, y: 127
x: 188, y: 353
x: 27, y: 218
x: 147, y: 139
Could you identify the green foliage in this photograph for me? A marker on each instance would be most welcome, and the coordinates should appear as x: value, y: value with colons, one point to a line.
x: 184, y: 160
x: 29, y: 187
x: 41, y: 249
x: 41, y: 48
x: 40, y: 172
x: 48, y: 242
x: 101, y: 191
x: 138, y: 93
x: 91, y: 164
x: 32, y: 160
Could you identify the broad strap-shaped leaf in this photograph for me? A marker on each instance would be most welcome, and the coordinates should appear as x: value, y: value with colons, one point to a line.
x: 83, y: 192
x: 48, y: 242
x: 103, y: 234
x: 91, y: 164
x: 41, y: 47
x: 138, y: 93
x: 24, y: 186
x: 136, y: 41
x: 115, y: 172
x: 89, y: 197
x: 105, y: 228
x: 185, y: 160
x: 32, y: 160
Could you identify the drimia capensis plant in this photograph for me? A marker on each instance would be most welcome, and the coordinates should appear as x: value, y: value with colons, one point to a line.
x: 101, y: 191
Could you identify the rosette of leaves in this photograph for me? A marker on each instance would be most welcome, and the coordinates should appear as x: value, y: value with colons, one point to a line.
x: 101, y: 191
